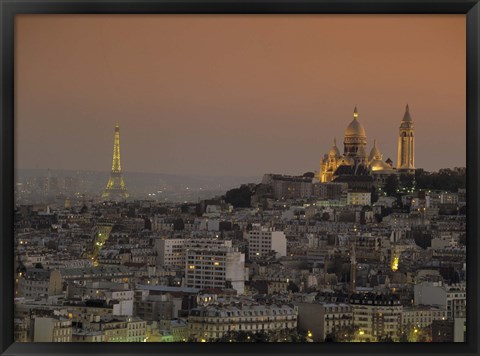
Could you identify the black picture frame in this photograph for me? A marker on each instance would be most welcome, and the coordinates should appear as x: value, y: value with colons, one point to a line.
x: 10, y: 8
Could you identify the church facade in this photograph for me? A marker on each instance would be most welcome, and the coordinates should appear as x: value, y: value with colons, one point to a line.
x: 356, y: 162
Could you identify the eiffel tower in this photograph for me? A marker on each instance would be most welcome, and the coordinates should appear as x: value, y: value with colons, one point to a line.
x: 116, y: 189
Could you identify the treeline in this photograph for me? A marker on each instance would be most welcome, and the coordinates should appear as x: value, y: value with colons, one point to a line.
x: 286, y: 335
x: 445, y: 179
x: 240, y: 197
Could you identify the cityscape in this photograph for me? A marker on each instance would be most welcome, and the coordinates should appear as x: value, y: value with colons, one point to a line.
x: 359, y: 249
x: 240, y: 178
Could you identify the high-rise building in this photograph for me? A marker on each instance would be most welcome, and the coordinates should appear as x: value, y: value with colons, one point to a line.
x: 212, y: 263
x: 265, y: 240
x: 170, y: 252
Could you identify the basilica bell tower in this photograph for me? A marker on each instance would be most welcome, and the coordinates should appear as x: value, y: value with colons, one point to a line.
x: 406, y: 144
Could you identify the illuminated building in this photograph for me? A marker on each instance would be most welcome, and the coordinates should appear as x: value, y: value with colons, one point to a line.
x: 376, y: 316
x: 119, y: 329
x: 355, y: 160
x: 40, y: 283
x: 406, y: 144
x: 422, y: 316
x: 116, y: 189
x: 212, y: 263
x: 359, y: 198
x: 214, y: 321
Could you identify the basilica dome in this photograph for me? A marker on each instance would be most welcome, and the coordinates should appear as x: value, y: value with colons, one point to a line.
x: 361, y: 152
x: 355, y: 128
x: 375, y: 152
x: 334, y: 151
x: 379, y: 165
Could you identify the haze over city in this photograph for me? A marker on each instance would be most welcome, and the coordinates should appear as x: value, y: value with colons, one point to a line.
x: 234, y: 95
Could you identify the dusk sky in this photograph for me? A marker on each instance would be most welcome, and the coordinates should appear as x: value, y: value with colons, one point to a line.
x: 234, y: 95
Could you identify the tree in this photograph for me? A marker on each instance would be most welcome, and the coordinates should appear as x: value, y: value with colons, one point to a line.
x: 407, y: 180
x: 148, y: 224
x: 261, y: 336
x: 325, y: 216
x: 178, y: 224
x: 391, y: 185
x: 286, y: 335
x: 344, y: 333
x: 239, y: 197
x: 403, y: 337
x: 444, y: 179
x: 330, y: 338
x: 374, y: 196
x: 225, y: 226
x: 386, y: 211
x: 422, y: 239
x: 51, y: 245
x: 292, y: 287
x: 385, y: 338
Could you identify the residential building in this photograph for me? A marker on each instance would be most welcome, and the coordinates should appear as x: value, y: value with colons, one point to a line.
x: 323, y: 319
x: 376, y: 316
x: 214, y: 263
x: 263, y: 241
x: 214, y: 321
x: 52, y: 329
x: 170, y: 252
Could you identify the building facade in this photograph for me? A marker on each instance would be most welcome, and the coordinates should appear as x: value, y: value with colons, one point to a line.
x: 212, y: 263
x: 170, y: 252
x: 214, y: 321
x: 376, y: 316
x: 452, y: 298
x: 52, y: 329
x: 323, y: 319
x: 263, y: 241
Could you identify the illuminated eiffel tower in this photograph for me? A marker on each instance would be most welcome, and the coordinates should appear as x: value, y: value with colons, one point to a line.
x: 116, y: 189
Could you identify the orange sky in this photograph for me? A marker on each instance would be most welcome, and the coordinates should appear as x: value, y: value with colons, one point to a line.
x: 234, y: 94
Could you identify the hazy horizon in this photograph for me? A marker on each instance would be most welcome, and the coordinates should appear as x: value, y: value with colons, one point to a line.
x: 234, y: 95
x: 183, y: 175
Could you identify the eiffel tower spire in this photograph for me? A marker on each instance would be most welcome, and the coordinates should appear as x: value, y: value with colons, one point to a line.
x: 116, y: 189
